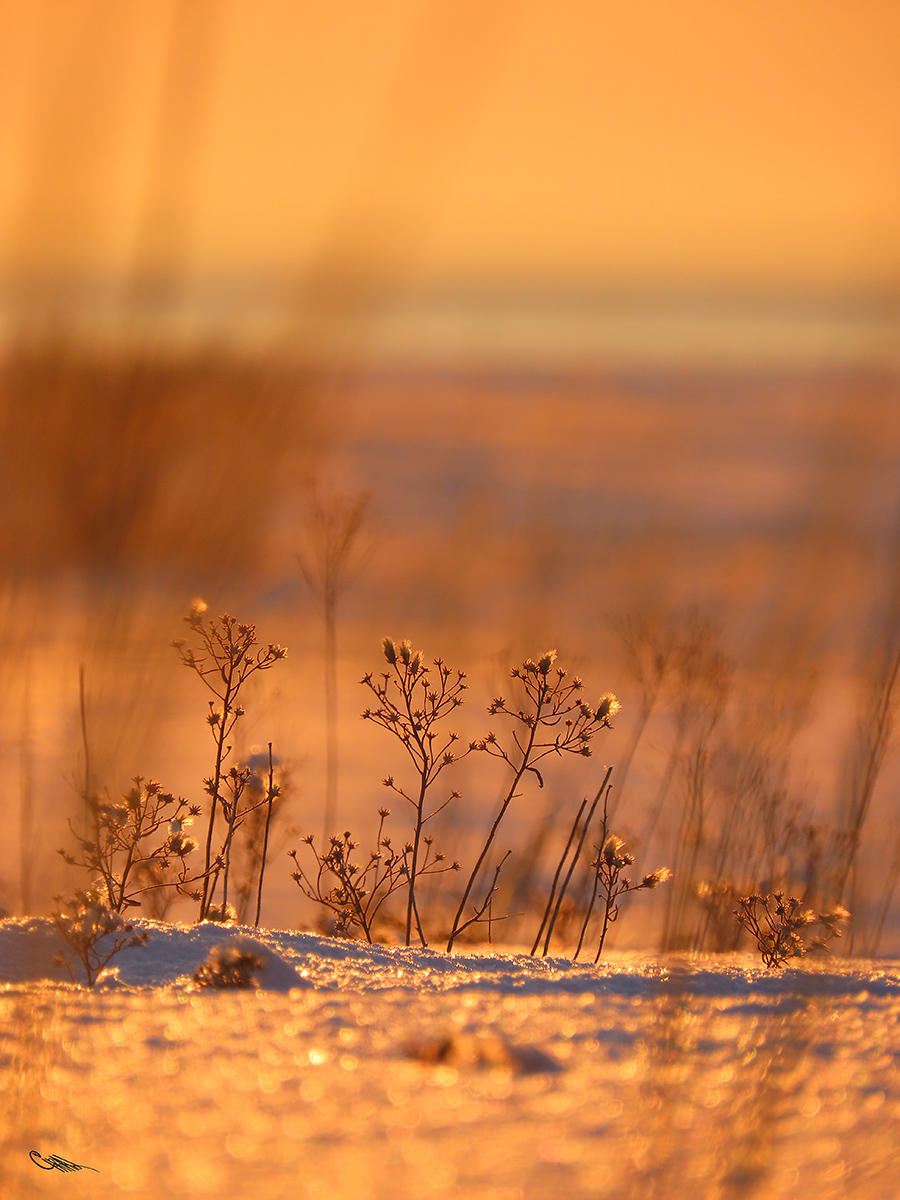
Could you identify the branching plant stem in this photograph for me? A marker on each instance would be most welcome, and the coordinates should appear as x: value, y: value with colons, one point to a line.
x: 227, y: 655
x: 556, y: 721
x: 411, y: 706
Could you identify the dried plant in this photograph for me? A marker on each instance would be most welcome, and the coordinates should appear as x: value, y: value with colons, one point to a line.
x: 117, y: 848
x: 252, y: 799
x: 333, y: 526
x: 707, y: 680
x: 412, y: 705
x: 234, y: 781
x: 717, y: 898
x: 228, y: 967
x: 556, y: 899
x: 356, y: 894
x: 263, y: 804
x: 483, y: 912
x: 652, y: 651
x: 554, y: 719
x: 868, y: 752
x: 889, y: 887
x: 699, y: 680
x: 226, y: 655
x: 222, y: 914
x: 778, y: 926
x: 160, y: 892
x: 272, y: 793
x: 84, y: 921
x: 610, y: 885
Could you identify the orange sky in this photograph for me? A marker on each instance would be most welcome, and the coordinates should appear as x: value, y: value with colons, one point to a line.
x: 652, y: 144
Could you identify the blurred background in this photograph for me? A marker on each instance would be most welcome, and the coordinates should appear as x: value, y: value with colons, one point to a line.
x: 573, y: 324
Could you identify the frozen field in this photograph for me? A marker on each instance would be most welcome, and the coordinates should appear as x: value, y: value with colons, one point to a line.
x: 369, y: 1073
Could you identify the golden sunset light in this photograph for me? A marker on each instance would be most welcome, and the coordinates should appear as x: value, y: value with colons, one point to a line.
x: 450, y: 605
x: 259, y: 161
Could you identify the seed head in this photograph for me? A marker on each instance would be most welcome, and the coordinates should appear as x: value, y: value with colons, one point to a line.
x: 196, y: 611
x: 611, y: 848
x: 655, y: 878
x: 546, y: 661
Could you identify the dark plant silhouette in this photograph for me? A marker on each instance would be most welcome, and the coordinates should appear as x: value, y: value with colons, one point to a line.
x: 554, y: 719
x: 227, y: 653
x: 412, y: 705
x: 253, y: 802
x: 778, y: 926
x: 556, y: 898
x: 355, y: 894
x: 272, y: 792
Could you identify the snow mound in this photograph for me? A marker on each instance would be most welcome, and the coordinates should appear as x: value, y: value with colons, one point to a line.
x: 294, y: 960
x: 274, y: 973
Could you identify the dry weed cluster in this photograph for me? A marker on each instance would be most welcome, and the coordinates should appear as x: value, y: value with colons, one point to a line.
x: 735, y: 807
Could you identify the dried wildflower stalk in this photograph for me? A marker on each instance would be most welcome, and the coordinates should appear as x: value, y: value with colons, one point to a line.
x: 235, y: 781
x: 226, y: 656
x: 778, y: 924
x: 272, y: 794
x: 554, y: 720
x: 116, y: 849
x: 87, y: 923
x: 611, y: 885
x: 483, y: 913
x: 252, y: 799
x: 355, y: 894
x: 551, y: 912
x: 412, y: 705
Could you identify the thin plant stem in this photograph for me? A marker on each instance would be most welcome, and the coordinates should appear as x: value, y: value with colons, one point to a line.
x: 594, y: 890
x: 526, y: 753
x: 262, y: 866
x: 559, y: 867
x: 222, y: 733
x: 575, y: 857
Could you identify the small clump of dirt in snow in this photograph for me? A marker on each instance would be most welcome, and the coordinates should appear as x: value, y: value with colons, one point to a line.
x: 483, y: 1050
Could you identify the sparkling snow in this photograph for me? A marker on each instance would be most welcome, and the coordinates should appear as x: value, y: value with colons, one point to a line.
x: 372, y: 1072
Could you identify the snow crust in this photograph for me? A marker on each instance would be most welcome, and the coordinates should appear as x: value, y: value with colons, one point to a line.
x: 379, y: 1072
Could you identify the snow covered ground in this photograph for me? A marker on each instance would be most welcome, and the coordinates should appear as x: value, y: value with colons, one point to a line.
x: 369, y: 1073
